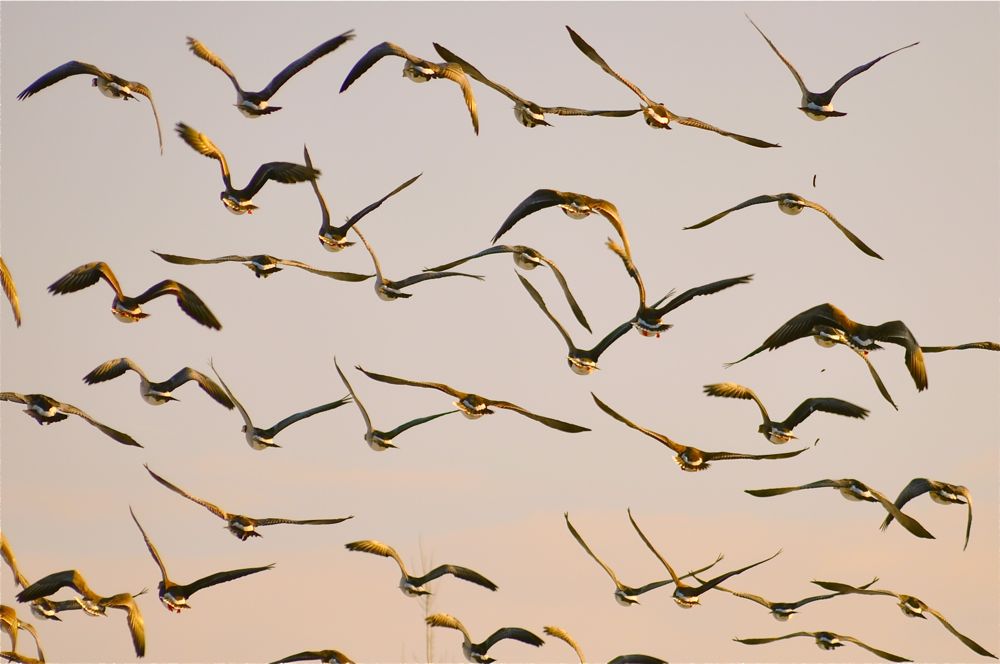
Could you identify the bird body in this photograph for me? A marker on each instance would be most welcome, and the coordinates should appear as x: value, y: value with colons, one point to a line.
x: 46, y: 410
x: 153, y: 393
x: 827, y: 641
x: 476, y: 652
x: 264, y: 265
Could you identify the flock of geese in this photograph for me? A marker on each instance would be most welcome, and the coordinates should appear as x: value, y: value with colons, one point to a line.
x: 827, y: 324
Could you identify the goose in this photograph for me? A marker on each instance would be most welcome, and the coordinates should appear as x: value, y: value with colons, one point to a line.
x: 781, y: 432
x: 11, y: 624
x: 42, y: 608
x: 686, y: 596
x: 790, y: 203
x: 109, y: 85
x: 575, y: 206
x: 648, y: 320
x: 688, y: 458
x: 474, y: 406
x: 91, y: 602
x: 829, y: 326
x: 260, y: 439
x: 827, y: 641
x: 940, y: 492
x: 851, y: 489
x: 10, y: 290
x: 783, y: 611
x: 528, y: 259
x: 378, y: 440
x: 264, y: 265
x: 157, y: 394
x: 239, y: 201
x: 417, y: 70
x: 415, y: 586
x: 334, y: 238
x: 912, y: 607
x: 528, y: 113
x: 325, y: 656
x: 128, y: 309
x: 46, y: 410
x: 561, y: 634
x: 392, y: 289
x: 581, y: 362
x: 626, y: 595
x: 255, y: 104
x: 175, y: 596
x: 819, y: 105
x: 241, y: 526
x: 476, y: 652
x: 656, y: 114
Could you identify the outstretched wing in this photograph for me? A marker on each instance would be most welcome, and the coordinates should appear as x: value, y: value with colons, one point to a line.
x: 7, y: 282
x: 203, y: 145
x: 339, y: 276
x: 280, y: 171
x: 454, y: 73
x: 972, y: 645
x: 799, y: 326
x: 120, y: 437
x: 560, y: 633
x: 581, y: 542
x: 499, y: 249
x: 358, y: 216
x: 553, y: 423
x: 389, y: 435
x: 112, y: 369
x: 725, y: 456
x: 375, y: 54
x: 536, y: 296
x: 848, y: 234
x: 565, y: 110
x: 292, y: 419
x: 760, y: 640
x: 392, y: 380
x: 187, y: 300
x: 538, y: 200
x: 881, y: 653
x: 878, y: 379
x: 858, y: 70
x: 756, y: 200
x: 272, y: 521
x: 139, y: 88
x: 707, y: 289
x: 312, y: 56
x: 824, y: 405
x: 71, y: 68
x: 209, y: 386
x: 223, y: 577
x: 185, y: 260
x: 982, y: 345
x: 734, y: 391
x: 469, y: 70
x: 463, y: 573
x: 798, y: 79
x: 589, y: 51
x: 202, y: 52
x: 675, y: 446
x: 820, y: 484
x: 897, y: 332
x: 152, y: 547
x: 699, y: 124
x: 515, y: 633
x: 573, y: 304
x: 424, y: 276
x: 84, y: 276
x: 211, y: 507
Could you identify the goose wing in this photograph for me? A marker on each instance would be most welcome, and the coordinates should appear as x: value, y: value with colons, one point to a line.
x: 71, y: 68
x: 236, y: 402
x: 454, y: 73
x: 498, y: 249
x: 905, y: 520
x: 322, y: 655
x: 52, y: 583
x: 209, y: 386
x: 8, y: 557
x: 843, y: 229
x: 538, y: 200
x: 515, y: 633
x: 725, y: 456
x: 636, y: 659
x: 609, y: 339
x: 589, y: 51
x: 187, y: 300
x: 358, y: 216
x: 675, y: 446
x: 354, y: 397
x: 898, y: 333
x: 223, y: 577
x: 536, y: 296
x: 560, y: 633
x: 292, y: 419
x: 185, y: 260
x: 312, y: 56
x: 981, y: 345
x: 707, y: 289
x: 798, y: 79
x: 211, y: 58
x: 828, y: 95
x: 375, y: 54
x: 152, y: 548
x: 280, y: 171
x: 273, y: 521
x: 972, y: 645
x: 734, y: 391
x: 424, y: 276
x: 7, y: 281
x: 708, y: 585
x: 211, y: 507
x: 139, y: 88
x: 824, y: 405
x: 449, y: 621
x: 136, y: 625
x: 769, y: 639
x: 878, y: 379
x: 565, y: 110
x: 819, y: 484
x: 573, y: 304
x: 700, y: 124
x: 339, y: 276
x: 799, y: 326
x: 84, y: 276
x: 389, y: 435
x: 581, y: 542
x: 756, y: 200
x: 112, y: 369
x: 657, y: 584
x: 392, y: 380
x: 649, y: 545
x: 203, y: 145
x: 469, y: 70
x: 881, y: 653
x: 553, y: 423
x: 118, y: 436
x: 463, y: 573
x: 379, y: 549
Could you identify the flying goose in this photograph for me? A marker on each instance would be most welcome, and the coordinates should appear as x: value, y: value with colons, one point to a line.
x: 157, y: 394
x: 7, y: 281
x: 254, y: 104
x: 827, y: 641
x: 687, y: 596
x: 378, y: 440
x: 527, y: 259
x: 260, y: 439
x: 42, y: 608
x: 648, y: 319
x: 781, y: 432
x: 528, y: 113
x: 656, y: 114
x: 325, y: 656
x: 790, y: 203
x: 174, y: 595
x: 940, y: 492
x: 264, y: 265
x: 819, y: 105
x: 851, y: 489
x: 392, y: 289
x: 582, y: 362
x: 575, y: 206
x: 128, y: 309
x: 476, y: 652
x: 912, y: 607
x: 474, y: 406
x: 239, y: 201
x: 783, y: 611
x: 241, y: 526
x: 561, y: 634
x: 417, y: 70
x: 91, y: 602
x: 828, y: 325
x: 110, y: 86
x: 414, y: 586
x: 691, y: 458
x: 334, y: 238
x: 10, y: 623
x: 46, y: 410
x: 626, y: 595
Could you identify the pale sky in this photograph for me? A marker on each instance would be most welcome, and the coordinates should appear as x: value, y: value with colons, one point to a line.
x: 912, y: 169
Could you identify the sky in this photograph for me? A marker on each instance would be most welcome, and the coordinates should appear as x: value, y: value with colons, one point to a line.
x: 912, y: 169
